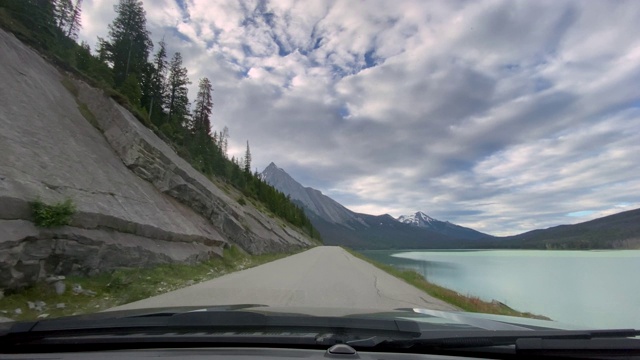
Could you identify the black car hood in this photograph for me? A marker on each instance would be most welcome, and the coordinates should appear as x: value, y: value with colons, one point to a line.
x: 429, y: 318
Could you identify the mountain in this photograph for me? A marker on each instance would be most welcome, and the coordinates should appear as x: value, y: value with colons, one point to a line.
x: 341, y: 226
x: 422, y: 220
x: 618, y: 231
x: 419, y: 219
x: 310, y: 199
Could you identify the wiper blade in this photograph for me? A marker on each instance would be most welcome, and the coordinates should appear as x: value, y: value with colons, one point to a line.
x: 216, y: 320
x: 484, y: 338
x: 203, y: 327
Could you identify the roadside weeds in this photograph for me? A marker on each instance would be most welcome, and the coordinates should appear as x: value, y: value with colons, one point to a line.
x: 122, y: 286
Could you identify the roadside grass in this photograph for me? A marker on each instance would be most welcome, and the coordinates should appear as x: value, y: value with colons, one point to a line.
x: 464, y: 302
x: 125, y: 285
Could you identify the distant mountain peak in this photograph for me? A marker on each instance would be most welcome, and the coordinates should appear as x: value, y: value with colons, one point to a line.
x: 272, y: 168
x: 312, y: 199
x: 422, y: 220
x: 419, y: 219
x: 337, y: 223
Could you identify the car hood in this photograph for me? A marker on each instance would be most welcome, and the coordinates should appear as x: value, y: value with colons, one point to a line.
x: 428, y: 319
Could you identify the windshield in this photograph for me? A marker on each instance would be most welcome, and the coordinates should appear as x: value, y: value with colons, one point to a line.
x: 469, y: 160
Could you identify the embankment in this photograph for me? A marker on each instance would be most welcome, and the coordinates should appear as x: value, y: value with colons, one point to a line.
x: 138, y: 203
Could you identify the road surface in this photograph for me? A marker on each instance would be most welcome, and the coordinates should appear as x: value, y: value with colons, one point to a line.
x: 325, y: 276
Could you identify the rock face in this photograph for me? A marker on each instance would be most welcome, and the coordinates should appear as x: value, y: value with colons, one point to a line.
x: 138, y: 203
x: 310, y: 198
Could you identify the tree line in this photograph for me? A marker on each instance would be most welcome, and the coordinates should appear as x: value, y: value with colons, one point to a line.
x: 150, y: 84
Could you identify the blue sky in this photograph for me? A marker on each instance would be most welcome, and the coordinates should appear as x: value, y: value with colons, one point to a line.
x: 504, y: 116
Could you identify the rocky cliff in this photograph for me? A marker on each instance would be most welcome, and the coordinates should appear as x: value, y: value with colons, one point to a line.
x: 138, y: 203
x: 310, y: 198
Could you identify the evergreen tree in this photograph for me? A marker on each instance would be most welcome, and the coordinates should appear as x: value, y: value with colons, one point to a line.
x: 63, y: 11
x: 202, y: 112
x: 92, y: 65
x: 223, y: 143
x: 67, y: 17
x: 247, y: 160
x: 158, y: 82
x: 131, y: 89
x: 129, y: 43
x: 84, y: 57
x: 177, y: 105
x: 74, y: 21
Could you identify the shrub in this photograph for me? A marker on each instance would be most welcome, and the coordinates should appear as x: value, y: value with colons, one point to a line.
x: 58, y: 214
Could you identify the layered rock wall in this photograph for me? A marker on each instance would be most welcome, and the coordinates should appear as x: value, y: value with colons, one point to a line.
x: 138, y: 203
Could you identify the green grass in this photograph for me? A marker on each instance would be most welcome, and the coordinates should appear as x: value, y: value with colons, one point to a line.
x: 126, y: 285
x: 58, y: 214
x: 464, y: 302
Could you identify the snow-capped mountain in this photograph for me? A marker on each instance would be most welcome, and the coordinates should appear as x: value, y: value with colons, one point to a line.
x: 419, y: 219
x: 422, y: 220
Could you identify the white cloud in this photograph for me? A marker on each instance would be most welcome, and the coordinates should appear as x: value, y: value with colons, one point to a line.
x: 500, y: 115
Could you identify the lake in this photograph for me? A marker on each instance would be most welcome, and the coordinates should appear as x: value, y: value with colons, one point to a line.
x: 587, y: 288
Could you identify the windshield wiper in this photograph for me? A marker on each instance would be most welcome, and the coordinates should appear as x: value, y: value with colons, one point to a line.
x: 201, y: 327
x: 209, y: 320
x: 538, y: 342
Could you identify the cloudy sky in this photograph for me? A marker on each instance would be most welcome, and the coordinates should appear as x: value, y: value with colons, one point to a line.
x: 504, y: 116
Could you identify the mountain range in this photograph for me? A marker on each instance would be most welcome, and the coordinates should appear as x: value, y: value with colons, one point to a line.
x: 617, y: 231
x: 341, y: 226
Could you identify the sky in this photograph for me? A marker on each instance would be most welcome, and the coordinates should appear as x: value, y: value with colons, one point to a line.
x: 504, y: 116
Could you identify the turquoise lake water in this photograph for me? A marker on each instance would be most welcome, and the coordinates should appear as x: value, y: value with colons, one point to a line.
x: 587, y: 288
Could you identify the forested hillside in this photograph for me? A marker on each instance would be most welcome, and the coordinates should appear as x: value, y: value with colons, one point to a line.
x: 618, y: 231
x: 153, y: 86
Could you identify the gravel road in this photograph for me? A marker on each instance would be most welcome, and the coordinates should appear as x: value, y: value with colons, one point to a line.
x: 325, y: 276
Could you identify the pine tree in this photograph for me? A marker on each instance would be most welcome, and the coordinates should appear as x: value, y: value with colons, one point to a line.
x: 202, y: 113
x: 131, y: 89
x: 157, y: 89
x: 247, y: 160
x: 177, y: 105
x: 75, y: 23
x: 63, y: 11
x: 129, y: 43
x: 68, y: 17
x: 224, y: 141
